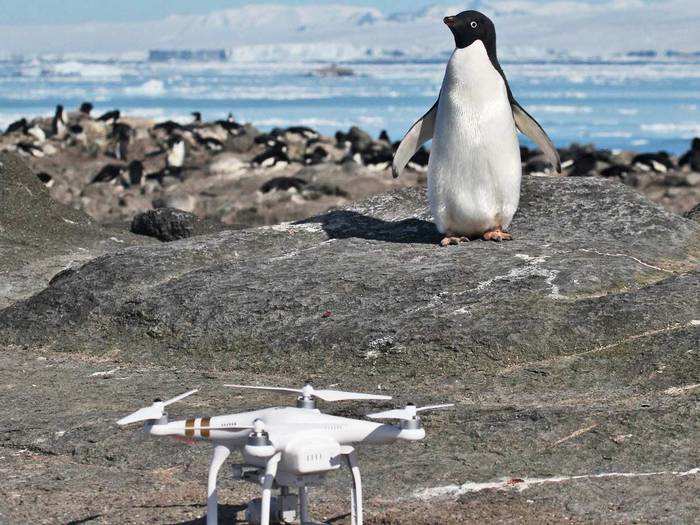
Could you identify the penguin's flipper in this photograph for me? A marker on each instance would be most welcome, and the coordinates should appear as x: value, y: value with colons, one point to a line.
x: 421, y: 132
x: 531, y: 128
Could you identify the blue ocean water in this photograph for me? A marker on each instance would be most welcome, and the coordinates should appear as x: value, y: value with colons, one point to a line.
x: 641, y: 106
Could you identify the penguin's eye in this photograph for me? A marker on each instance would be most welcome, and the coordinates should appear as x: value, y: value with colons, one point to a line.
x: 474, y: 25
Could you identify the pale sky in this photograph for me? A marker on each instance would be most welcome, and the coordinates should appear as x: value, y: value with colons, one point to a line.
x: 14, y: 12
x: 23, y: 12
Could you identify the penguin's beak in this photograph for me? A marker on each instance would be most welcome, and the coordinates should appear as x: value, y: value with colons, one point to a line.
x: 450, y: 21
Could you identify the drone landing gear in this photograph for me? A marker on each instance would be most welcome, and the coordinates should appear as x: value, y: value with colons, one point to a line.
x: 221, y: 454
x: 356, y: 494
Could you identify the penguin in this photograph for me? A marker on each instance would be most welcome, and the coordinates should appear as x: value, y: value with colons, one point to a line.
x: 616, y: 170
x: 276, y: 155
x: 197, y: 117
x: 583, y: 165
x: 46, y: 179
x: 169, y: 127
x: 121, y: 134
x: 109, y: 173
x: 692, y: 157
x: 659, y: 162
x: 303, y: 132
x: 211, y: 144
x: 18, y: 126
x: 317, y: 156
x: 230, y: 125
x: 86, y: 108
x: 175, y: 159
x: 283, y: 184
x: 27, y: 148
x: 38, y: 133
x: 112, y: 116
x: 475, y: 170
x: 59, y: 122
x: 136, y: 177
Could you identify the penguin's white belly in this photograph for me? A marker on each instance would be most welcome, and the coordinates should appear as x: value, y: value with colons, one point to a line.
x: 475, y: 170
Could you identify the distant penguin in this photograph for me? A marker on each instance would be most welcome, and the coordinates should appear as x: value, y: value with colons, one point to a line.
x: 692, y: 157
x: 86, y: 108
x: 197, y: 116
x: 616, y: 170
x: 169, y: 127
x: 317, y: 156
x: 304, y: 132
x: 136, y: 177
x: 474, y: 172
x: 38, y: 133
x: 121, y: 134
x: 46, y: 179
x: 176, y: 154
x: 59, y: 122
x: 20, y: 126
x: 110, y: 116
x: 583, y: 165
x: 27, y: 148
x: 283, y: 184
x: 659, y: 162
x: 109, y: 173
x: 276, y: 156
x: 229, y: 125
x: 210, y: 143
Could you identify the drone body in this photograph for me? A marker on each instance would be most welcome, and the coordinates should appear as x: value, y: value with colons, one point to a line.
x: 285, y: 447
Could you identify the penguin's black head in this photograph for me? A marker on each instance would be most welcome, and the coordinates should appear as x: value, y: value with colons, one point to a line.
x: 470, y: 26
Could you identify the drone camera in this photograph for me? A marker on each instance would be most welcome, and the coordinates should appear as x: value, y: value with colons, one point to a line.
x: 312, y: 456
x: 308, y: 403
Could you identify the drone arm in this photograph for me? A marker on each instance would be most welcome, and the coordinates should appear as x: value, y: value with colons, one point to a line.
x: 270, y: 473
x: 221, y: 453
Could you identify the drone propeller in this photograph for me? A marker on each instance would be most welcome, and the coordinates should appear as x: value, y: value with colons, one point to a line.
x: 406, y: 414
x: 309, y: 392
x: 153, y: 412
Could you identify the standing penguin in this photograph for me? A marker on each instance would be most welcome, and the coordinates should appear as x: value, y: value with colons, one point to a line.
x: 475, y: 170
x: 59, y: 122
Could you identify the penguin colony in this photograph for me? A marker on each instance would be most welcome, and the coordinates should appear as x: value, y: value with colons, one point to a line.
x: 115, y: 167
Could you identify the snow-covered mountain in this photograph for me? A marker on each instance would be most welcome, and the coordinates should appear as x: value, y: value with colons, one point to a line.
x: 527, y: 28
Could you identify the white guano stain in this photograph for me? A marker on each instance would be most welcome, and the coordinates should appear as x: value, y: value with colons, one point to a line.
x: 287, y: 227
x: 680, y: 390
x: 624, y: 255
x: 522, y: 484
x: 533, y: 269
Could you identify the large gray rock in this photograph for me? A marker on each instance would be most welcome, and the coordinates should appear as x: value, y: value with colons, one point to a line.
x: 40, y: 237
x: 592, y: 263
x: 571, y: 354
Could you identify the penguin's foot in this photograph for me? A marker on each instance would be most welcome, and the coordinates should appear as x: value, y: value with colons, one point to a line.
x: 453, y: 241
x: 497, y: 235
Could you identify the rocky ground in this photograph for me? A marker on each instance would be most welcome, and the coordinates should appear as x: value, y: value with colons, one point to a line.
x: 232, y: 173
x: 570, y: 352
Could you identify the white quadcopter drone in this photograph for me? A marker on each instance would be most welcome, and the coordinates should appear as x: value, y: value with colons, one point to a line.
x: 284, y: 447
